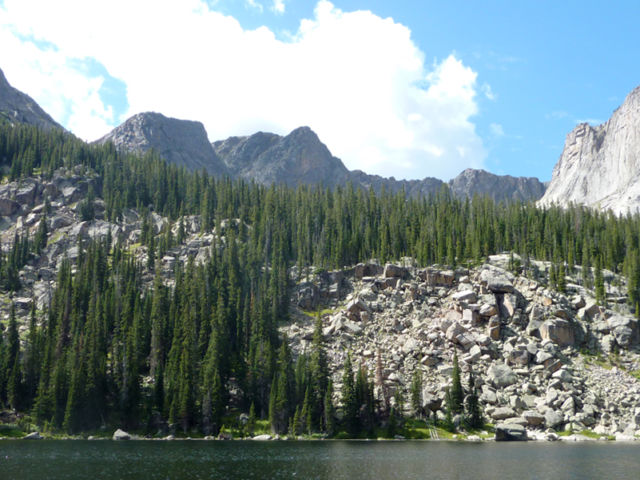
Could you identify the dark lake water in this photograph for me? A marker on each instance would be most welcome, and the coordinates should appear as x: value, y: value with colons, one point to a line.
x: 25, y: 460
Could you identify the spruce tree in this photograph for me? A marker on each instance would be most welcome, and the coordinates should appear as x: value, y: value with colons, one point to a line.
x: 457, y: 393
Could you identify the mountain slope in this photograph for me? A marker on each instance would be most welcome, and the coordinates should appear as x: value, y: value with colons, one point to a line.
x: 181, y: 142
x: 600, y: 166
x: 19, y: 107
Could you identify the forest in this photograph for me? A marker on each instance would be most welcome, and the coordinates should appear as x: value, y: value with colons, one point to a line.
x: 112, y: 350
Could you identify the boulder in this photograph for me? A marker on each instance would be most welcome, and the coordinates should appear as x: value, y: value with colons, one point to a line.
x: 501, y: 375
x: 121, y: 435
x: 496, y: 279
x: 394, y: 271
x: 533, y: 418
x: 33, y: 436
x: 438, y: 278
x: 624, y: 330
x: 466, y: 296
x: 510, y: 432
x: 553, y: 419
x: 493, y: 328
x: 262, y: 438
x: 8, y: 207
x: 488, y: 310
x: 501, y: 413
x: 558, y: 331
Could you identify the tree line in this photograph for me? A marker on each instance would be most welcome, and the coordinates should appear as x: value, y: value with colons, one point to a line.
x: 110, y: 348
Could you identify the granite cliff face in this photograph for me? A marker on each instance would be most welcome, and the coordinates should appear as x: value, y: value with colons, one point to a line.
x: 600, y: 166
x: 182, y: 142
x: 499, y: 187
x: 18, y: 107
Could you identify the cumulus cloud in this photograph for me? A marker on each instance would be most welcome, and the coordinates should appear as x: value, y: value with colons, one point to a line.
x: 357, y: 79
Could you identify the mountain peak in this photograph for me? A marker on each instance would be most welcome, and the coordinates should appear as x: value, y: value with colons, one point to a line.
x: 182, y: 142
x: 18, y: 107
x: 600, y: 166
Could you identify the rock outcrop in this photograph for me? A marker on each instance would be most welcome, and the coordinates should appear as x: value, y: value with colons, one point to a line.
x: 499, y: 187
x: 181, y: 142
x: 600, y: 166
x: 18, y: 107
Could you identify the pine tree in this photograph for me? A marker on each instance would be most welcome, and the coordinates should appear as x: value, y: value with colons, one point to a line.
x: 416, y: 393
x: 457, y: 393
x: 349, y: 399
x: 473, y: 412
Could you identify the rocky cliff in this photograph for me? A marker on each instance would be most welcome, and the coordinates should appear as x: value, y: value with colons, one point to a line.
x: 499, y: 187
x: 182, y: 142
x: 16, y: 106
x: 600, y: 166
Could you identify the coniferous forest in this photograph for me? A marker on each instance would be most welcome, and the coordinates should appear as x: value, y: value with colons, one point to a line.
x: 112, y: 349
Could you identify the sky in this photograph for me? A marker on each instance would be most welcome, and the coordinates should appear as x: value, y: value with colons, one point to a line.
x: 409, y: 89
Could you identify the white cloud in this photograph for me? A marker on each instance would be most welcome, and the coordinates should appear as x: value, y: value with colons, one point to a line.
x: 357, y: 79
x: 496, y: 130
x: 488, y: 92
x: 278, y: 6
x: 254, y: 5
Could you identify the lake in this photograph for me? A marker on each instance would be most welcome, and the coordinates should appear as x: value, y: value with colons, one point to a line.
x: 352, y: 460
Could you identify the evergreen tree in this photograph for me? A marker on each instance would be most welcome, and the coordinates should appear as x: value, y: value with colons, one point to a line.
x: 349, y: 399
x: 416, y: 393
x: 457, y: 393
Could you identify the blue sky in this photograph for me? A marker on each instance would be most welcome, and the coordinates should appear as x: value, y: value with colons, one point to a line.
x: 401, y: 88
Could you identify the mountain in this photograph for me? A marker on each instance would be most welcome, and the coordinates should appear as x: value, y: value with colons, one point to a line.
x: 600, y: 166
x: 19, y: 107
x: 182, y: 142
x: 299, y: 157
x: 499, y: 187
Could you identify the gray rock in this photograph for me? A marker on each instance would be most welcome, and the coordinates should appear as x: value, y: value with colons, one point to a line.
x: 553, y: 419
x: 180, y: 142
x: 501, y: 413
x: 558, y: 331
x: 600, y: 166
x: 533, y: 418
x: 8, y: 207
x: 510, y: 432
x: 467, y: 296
x: 496, y: 279
x: 33, y: 436
x: 501, y: 375
x: 262, y: 438
x: 121, y: 435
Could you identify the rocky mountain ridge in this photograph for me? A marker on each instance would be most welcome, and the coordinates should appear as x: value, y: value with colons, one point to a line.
x: 181, y: 142
x: 16, y: 106
x: 600, y: 166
